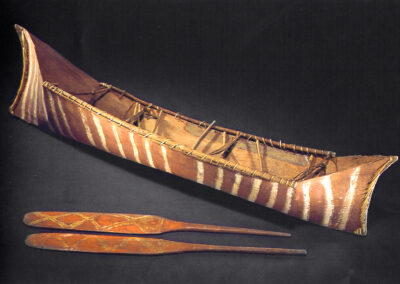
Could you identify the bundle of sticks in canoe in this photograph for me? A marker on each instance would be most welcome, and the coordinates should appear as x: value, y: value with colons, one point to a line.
x: 307, y: 183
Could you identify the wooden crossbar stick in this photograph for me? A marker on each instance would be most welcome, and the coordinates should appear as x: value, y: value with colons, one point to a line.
x: 125, y: 116
x: 259, y: 154
x: 157, y: 121
x: 135, y: 117
x: 224, y: 148
x: 95, y: 100
x: 203, y: 135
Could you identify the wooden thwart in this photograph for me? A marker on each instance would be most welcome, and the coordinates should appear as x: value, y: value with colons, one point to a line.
x: 135, y: 117
x: 157, y: 121
x: 99, y: 97
x: 203, y: 135
x: 126, y: 114
x: 226, y: 148
x: 259, y: 155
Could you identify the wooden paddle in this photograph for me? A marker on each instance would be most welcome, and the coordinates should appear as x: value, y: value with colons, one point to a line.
x: 136, y: 245
x: 128, y: 224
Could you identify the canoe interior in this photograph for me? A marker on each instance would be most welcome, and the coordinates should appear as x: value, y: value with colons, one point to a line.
x: 252, y: 153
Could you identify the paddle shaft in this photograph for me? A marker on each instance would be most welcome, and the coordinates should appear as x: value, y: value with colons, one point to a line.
x: 136, y: 245
x: 223, y: 229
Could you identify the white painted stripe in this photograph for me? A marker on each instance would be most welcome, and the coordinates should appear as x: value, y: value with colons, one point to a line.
x: 329, y: 206
x: 348, y: 200
x: 33, y: 89
x: 288, y: 200
x: 148, y: 152
x: 48, y: 94
x: 306, y: 200
x: 220, y: 178
x: 200, y: 172
x: 54, y: 114
x: 64, y: 118
x: 236, y: 184
x: 32, y: 84
x: 272, y: 195
x: 135, y: 150
x: 43, y: 105
x: 121, y: 150
x: 34, y: 119
x: 87, y: 128
x: 28, y: 83
x: 255, y: 189
x: 164, y: 154
x: 100, y: 131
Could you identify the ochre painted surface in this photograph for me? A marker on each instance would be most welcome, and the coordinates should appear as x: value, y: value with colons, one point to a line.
x: 135, y: 245
x: 128, y: 224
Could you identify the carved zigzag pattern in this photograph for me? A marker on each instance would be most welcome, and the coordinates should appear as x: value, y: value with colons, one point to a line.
x: 140, y: 223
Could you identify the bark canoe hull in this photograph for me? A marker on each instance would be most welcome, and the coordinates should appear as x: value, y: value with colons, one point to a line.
x: 53, y: 95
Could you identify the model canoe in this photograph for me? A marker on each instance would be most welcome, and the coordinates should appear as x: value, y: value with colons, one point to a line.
x: 306, y: 183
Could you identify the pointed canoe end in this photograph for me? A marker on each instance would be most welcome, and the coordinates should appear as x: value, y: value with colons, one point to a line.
x: 20, y: 31
x: 387, y: 162
x: 18, y: 28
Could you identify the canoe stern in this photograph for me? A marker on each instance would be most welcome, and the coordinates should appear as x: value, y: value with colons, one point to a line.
x: 340, y: 200
x: 373, y: 178
x: 29, y: 103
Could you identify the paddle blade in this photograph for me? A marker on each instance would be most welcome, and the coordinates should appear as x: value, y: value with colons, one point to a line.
x: 97, y: 222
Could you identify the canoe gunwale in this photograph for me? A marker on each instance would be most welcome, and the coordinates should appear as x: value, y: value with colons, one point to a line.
x: 296, y: 149
x: 167, y: 142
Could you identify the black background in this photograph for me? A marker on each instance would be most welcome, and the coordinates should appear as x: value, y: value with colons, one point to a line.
x: 315, y: 73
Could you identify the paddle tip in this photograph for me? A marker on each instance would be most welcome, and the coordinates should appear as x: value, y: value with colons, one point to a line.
x: 280, y: 234
x: 27, y: 218
x: 300, y: 252
x: 268, y: 233
x: 29, y: 240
